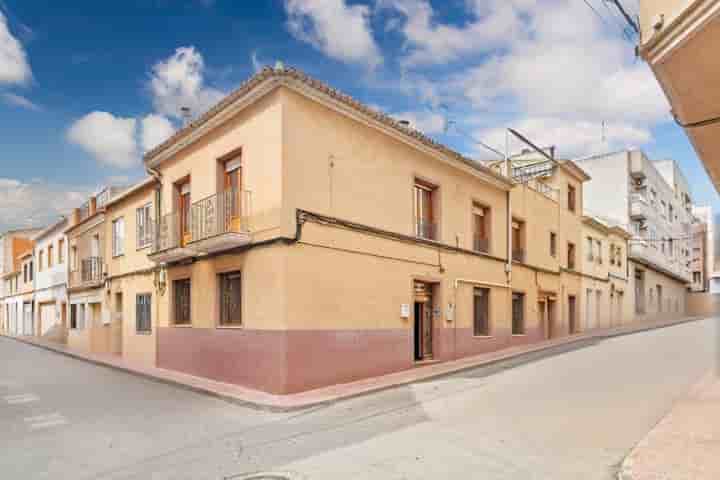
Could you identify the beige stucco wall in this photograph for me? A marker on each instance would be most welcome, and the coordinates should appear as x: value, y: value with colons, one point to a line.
x: 258, y: 131
x: 703, y: 304
x: 649, y: 9
x: 337, y: 166
x: 130, y: 274
x: 674, y: 294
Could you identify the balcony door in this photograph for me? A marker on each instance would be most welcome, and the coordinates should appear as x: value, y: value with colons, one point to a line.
x: 232, y: 186
x: 184, y: 212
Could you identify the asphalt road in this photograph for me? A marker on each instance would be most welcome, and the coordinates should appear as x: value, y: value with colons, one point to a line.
x: 566, y: 414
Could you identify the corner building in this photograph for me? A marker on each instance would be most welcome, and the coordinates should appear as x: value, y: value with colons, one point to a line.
x: 303, y: 240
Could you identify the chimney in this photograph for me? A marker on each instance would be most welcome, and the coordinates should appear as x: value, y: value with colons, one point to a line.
x: 74, y: 217
x: 92, y: 206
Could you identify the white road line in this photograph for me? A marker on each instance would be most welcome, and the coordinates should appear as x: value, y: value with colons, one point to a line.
x: 48, y: 424
x: 46, y: 421
x: 22, y: 398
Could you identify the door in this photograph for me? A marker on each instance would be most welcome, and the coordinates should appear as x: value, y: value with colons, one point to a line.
x: 542, y: 316
x: 27, y: 319
x: 48, y: 319
x: 572, y: 326
x: 551, y: 318
x: 184, y: 212
x: 233, y: 208
x: 423, y: 332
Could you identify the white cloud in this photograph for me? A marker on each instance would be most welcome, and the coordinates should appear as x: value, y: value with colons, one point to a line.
x: 179, y: 82
x: 36, y: 203
x: 19, y: 101
x: 573, y: 139
x: 155, y: 130
x: 429, y: 42
x: 14, y: 66
x: 110, y: 139
x: 339, y: 30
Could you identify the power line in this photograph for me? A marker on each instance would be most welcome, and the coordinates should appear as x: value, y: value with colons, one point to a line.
x: 602, y: 18
x: 615, y: 17
x: 629, y: 20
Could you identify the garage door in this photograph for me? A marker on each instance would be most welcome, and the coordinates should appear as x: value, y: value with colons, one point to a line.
x: 47, y: 317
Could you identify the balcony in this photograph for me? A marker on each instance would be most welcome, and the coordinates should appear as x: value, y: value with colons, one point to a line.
x: 167, y: 245
x: 216, y: 223
x: 425, y: 229
x: 90, y: 274
x: 518, y: 255
x: 639, y: 208
x: 481, y: 244
x: 220, y: 222
x: 637, y: 170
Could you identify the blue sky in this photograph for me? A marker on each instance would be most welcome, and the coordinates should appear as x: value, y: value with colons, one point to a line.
x: 87, y: 86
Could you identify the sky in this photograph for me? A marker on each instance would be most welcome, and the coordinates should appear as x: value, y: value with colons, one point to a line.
x: 86, y: 87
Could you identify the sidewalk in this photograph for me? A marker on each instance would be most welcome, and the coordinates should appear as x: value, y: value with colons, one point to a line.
x: 268, y: 401
x: 685, y: 445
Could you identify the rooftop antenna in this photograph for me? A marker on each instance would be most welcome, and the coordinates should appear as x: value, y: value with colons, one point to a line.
x: 186, y: 115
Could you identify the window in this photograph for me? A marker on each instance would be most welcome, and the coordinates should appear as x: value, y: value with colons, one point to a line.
x: 77, y: 316
x: 518, y: 241
x: 25, y: 275
x: 599, y: 251
x: 41, y: 256
x: 571, y: 198
x: 424, y: 215
x: 143, y: 320
x: 553, y: 244
x: 696, y: 277
x: 231, y: 299
x: 571, y: 256
x: 73, y: 258
x: 50, y: 256
x: 144, y: 225
x: 61, y: 251
x: 181, y: 289
x: 481, y: 312
x: 590, y: 255
x: 518, y: 313
x: 481, y: 228
x: 118, y: 237
x: 31, y: 267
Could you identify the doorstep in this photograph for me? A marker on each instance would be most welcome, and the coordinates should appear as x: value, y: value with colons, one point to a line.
x: 326, y: 395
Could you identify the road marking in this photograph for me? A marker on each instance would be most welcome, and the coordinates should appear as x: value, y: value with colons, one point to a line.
x: 46, y: 421
x: 22, y: 398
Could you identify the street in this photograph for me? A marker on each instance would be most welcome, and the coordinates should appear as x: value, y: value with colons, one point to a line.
x: 567, y: 414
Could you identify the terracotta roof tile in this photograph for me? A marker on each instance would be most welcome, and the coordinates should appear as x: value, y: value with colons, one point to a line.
x: 292, y: 73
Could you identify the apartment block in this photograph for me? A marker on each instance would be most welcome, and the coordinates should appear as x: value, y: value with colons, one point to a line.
x: 705, y: 265
x: 652, y: 201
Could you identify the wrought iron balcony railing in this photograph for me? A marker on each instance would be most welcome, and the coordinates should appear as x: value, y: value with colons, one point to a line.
x: 223, y: 212
x: 425, y: 229
x: 166, y: 234
x: 481, y: 244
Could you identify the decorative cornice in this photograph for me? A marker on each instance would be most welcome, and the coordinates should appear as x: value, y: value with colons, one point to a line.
x: 694, y: 17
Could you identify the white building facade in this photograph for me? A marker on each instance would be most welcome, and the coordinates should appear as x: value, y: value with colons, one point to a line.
x: 50, y: 289
x: 652, y: 201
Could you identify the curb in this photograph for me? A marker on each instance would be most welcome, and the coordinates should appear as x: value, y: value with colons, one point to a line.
x: 283, y: 403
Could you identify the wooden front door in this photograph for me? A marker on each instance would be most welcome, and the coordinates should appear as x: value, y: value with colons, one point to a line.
x: 550, y: 318
x: 233, y: 181
x: 572, y: 327
x: 423, y: 332
x: 542, y: 316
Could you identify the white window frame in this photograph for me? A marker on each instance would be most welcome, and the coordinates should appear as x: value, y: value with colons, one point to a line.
x: 143, y: 219
x: 118, y: 237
